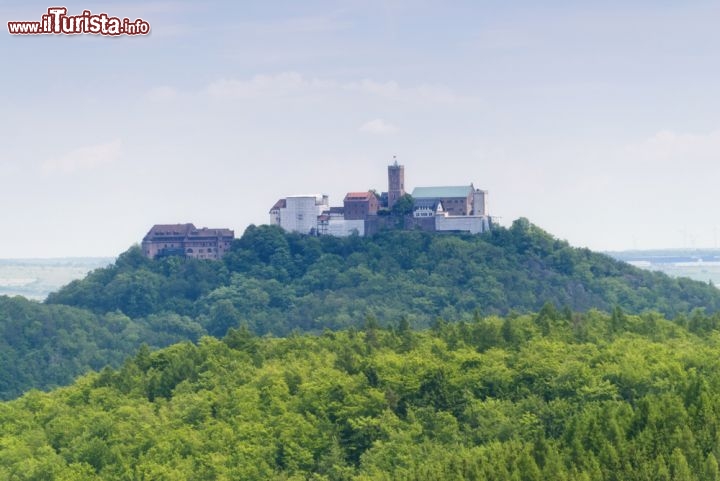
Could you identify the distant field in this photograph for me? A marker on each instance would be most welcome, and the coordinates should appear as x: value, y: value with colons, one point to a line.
x: 698, y: 264
x: 36, y: 278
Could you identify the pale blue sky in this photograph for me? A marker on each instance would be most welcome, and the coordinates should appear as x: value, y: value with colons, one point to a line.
x: 599, y: 121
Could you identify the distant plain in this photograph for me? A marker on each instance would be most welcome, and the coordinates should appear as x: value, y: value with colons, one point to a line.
x: 36, y: 278
x: 698, y: 264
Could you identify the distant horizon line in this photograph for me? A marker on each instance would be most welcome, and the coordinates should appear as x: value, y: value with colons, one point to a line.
x: 610, y: 251
x: 58, y: 258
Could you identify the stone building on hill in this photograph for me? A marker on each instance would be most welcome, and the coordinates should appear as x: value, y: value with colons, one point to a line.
x: 456, y: 200
x: 299, y: 213
x: 396, y: 183
x: 435, y: 208
x: 186, y: 240
x: 360, y: 205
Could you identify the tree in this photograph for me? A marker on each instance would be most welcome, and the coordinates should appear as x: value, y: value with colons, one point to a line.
x: 680, y: 468
x: 223, y: 316
x: 710, y: 468
x: 403, y: 206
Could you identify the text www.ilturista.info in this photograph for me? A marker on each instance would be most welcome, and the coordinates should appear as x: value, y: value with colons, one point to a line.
x: 58, y: 22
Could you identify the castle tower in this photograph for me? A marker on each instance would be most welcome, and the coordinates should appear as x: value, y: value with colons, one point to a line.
x: 480, y: 199
x: 396, y: 183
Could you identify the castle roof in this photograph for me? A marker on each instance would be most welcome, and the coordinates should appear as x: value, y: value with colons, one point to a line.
x: 169, y: 230
x: 164, y: 231
x: 442, y: 192
x: 306, y: 196
x: 358, y: 196
x: 280, y: 204
x: 426, y: 203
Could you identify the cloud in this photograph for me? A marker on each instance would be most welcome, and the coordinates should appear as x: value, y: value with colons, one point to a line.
x: 294, y: 25
x: 263, y: 86
x: 8, y: 169
x: 293, y: 84
x: 146, y: 10
x: 378, y: 127
x: 161, y: 94
x: 668, y: 162
x: 393, y: 91
x: 667, y: 147
x: 84, y: 158
x: 175, y: 30
x: 502, y: 38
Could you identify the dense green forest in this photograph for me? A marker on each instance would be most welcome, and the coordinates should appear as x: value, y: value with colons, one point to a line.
x: 422, y: 360
x: 550, y: 396
x: 277, y: 283
x: 44, y: 346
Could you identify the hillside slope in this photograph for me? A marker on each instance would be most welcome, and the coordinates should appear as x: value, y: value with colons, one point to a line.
x: 44, y: 346
x: 277, y: 282
x: 588, y: 397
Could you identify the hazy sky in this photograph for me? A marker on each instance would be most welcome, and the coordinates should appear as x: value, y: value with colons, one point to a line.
x: 599, y: 121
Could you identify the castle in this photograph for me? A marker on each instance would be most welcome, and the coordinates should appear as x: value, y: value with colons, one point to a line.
x: 436, y: 209
x: 186, y: 240
x: 450, y: 208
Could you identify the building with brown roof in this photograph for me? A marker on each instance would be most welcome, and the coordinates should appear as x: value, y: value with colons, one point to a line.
x: 186, y: 240
x: 275, y: 211
x: 360, y: 205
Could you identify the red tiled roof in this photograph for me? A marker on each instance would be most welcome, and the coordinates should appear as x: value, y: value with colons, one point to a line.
x: 358, y: 196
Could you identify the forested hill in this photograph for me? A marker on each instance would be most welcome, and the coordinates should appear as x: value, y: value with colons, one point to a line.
x: 44, y: 346
x: 581, y: 397
x: 277, y: 282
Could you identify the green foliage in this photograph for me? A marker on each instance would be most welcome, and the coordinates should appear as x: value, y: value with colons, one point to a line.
x: 279, y: 282
x: 403, y: 206
x: 45, y: 346
x: 389, y: 404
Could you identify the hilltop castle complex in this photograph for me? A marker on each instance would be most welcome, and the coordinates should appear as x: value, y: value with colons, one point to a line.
x: 453, y: 208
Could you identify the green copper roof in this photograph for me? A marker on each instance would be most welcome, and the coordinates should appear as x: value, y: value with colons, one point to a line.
x: 441, y: 192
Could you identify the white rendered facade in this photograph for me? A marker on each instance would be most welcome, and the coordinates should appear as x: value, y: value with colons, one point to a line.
x: 301, y: 212
x: 480, y: 200
x: 475, y: 224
